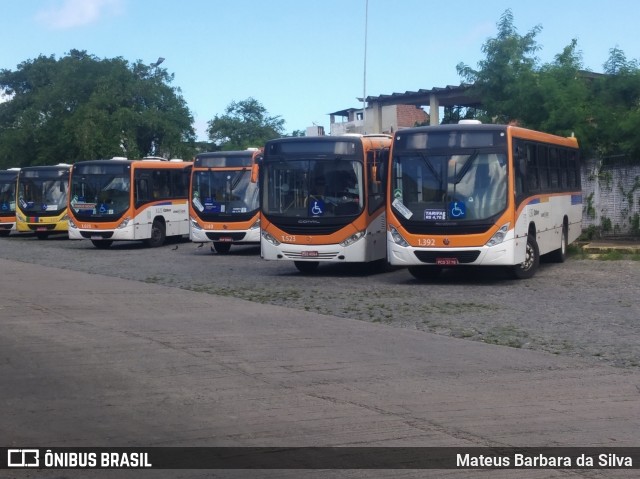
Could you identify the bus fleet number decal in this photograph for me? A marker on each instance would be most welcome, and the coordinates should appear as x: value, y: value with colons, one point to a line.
x: 426, y: 242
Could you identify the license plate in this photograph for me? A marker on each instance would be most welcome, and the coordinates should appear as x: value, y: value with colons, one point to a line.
x: 446, y: 261
x: 309, y: 254
x: 96, y: 237
x: 226, y: 239
x: 41, y: 228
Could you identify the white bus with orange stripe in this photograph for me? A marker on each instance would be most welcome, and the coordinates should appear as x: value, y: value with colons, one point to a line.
x: 485, y: 195
x: 128, y: 200
x: 321, y: 200
x: 224, y: 202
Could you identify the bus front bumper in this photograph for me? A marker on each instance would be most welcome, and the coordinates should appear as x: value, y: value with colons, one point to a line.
x: 502, y: 254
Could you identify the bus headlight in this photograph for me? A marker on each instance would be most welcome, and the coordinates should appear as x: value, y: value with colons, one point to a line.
x: 124, y: 223
x: 352, y: 239
x: 255, y: 225
x: 194, y: 224
x: 499, y: 236
x: 397, y: 237
x: 72, y: 224
x: 270, y: 238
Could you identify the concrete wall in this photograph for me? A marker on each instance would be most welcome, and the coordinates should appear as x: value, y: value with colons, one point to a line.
x: 611, y: 198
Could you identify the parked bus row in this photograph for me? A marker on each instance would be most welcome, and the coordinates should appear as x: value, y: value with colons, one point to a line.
x: 426, y: 198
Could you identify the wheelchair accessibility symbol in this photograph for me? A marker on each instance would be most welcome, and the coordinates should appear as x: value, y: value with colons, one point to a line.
x: 316, y: 208
x: 457, y: 210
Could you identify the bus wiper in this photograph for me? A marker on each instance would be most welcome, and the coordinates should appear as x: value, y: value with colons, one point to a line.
x: 465, y: 168
x: 433, y: 171
x: 237, y: 179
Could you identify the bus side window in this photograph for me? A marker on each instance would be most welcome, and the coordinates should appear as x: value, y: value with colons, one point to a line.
x: 520, y: 164
x: 142, y: 191
x: 375, y: 180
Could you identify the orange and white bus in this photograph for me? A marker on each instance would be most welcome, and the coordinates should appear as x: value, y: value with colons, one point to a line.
x: 486, y: 195
x: 128, y: 200
x: 8, y: 181
x: 224, y: 199
x: 321, y: 200
x: 42, y: 195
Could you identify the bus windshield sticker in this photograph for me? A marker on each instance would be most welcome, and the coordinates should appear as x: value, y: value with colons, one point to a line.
x: 457, y: 209
x: 397, y: 193
x: 212, y: 207
x: 316, y: 207
x: 402, y: 209
x: 197, y: 204
x: 435, y: 215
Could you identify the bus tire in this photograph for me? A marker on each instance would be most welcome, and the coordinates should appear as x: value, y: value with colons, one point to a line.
x: 560, y: 255
x: 102, y: 244
x: 221, y: 248
x: 529, y: 266
x: 158, y: 234
x: 423, y: 273
x: 306, y: 267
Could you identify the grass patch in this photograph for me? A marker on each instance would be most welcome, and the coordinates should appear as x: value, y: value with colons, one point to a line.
x: 507, y: 335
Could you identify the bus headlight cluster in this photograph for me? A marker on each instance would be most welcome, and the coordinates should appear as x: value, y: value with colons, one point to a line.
x: 499, y: 236
x: 124, y: 223
x: 194, y: 224
x: 397, y: 237
x: 270, y: 238
x: 352, y: 239
x: 72, y: 224
x: 255, y: 225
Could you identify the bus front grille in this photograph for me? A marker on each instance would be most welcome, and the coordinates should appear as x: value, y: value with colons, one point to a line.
x: 463, y: 257
x: 97, y: 234
x: 296, y: 255
x: 233, y: 236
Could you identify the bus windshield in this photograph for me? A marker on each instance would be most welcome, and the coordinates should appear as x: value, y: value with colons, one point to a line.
x: 228, y: 192
x: 43, y: 191
x: 100, y: 191
x: 471, y: 185
x: 314, y: 188
x: 7, y: 194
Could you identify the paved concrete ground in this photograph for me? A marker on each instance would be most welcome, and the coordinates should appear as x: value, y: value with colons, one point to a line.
x: 88, y: 360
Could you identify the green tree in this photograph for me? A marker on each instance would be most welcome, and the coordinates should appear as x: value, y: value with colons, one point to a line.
x: 603, y: 110
x: 616, y: 105
x: 80, y: 107
x: 245, y: 124
x: 506, y: 79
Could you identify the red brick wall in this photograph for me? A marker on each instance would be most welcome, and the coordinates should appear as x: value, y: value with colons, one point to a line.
x: 408, y: 115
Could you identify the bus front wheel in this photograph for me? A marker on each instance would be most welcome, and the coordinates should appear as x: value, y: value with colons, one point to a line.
x: 306, y: 267
x: 529, y: 266
x: 158, y: 234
